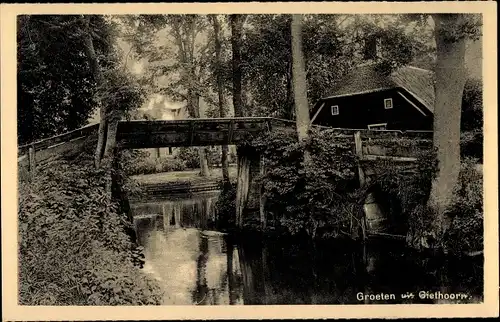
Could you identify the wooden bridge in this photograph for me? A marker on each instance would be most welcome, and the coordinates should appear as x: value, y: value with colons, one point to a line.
x: 228, y: 131
x: 177, y: 133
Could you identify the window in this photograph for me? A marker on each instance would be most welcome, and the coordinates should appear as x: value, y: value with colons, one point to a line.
x: 335, y: 110
x: 388, y: 103
x: 380, y: 126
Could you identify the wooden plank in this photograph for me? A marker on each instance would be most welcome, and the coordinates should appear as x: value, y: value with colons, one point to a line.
x: 191, y: 133
x: 358, y: 144
x: 366, y: 134
x: 230, y: 134
x: 359, y: 152
x: 32, y: 165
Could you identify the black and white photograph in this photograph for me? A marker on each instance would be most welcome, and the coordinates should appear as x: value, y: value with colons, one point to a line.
x: 250, y: 158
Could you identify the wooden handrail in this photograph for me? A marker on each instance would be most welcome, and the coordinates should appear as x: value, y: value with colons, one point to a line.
x: 60, y: 138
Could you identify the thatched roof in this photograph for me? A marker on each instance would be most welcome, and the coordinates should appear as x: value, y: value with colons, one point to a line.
x: 367, y: 78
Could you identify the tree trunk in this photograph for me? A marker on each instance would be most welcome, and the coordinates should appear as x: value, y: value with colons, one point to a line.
x: 204, y: 172
x: 449, y: 85
x: 300, y: 83
x: 110, y: 147
x: 236, y: 25
x: 242, y: 187
x: 220, y: 94
x: 99, y: 79
x: 290, y: 106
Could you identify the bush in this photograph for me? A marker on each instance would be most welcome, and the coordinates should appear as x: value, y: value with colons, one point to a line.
x: 214, y: 155
x: 305, y: 198
x: 466, y: 230
x: 226, y: 205
x: 171, y: 164
x: 190, y: 157
x: 471, y: 145
x: 73, y: 249
x: 407, y: 191
x: 472, y: 106
x: 142, y: 163
x: 323, y: 197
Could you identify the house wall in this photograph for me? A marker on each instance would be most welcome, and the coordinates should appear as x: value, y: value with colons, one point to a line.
x: 357, y: 112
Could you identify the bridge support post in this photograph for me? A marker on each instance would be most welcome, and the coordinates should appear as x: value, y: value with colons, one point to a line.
x: 32, y: 163
x: 248, y: 188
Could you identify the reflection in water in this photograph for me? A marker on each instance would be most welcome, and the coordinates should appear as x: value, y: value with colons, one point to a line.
x: 195, y: 264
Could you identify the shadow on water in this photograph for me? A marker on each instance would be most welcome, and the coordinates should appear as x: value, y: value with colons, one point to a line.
x: 196, y: 264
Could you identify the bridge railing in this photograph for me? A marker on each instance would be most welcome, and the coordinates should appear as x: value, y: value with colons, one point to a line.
x: 58, y: 139
x: 189, y: 132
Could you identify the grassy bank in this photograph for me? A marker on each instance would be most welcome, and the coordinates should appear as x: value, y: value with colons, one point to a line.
x: 73, y: 248
x: 191, y: 176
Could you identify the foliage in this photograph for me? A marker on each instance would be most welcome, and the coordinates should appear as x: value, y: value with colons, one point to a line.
x: 122, y: 92
x: 143, y: 163
x: 332, y: 45
x: 471, y: 141
x: 462, y: 26
x: 471, y: 145
x: 407, y: 190
x: 56, y: 88
x: 140, y: 162
x: 394, y: 44
x: 73, y: 249
x: 177, y: 65
x: 214, y: 154
x: 129, y: 163
x: 466, y: 230
x: 55, y: 84
x: 226, y: 204
x: 190, y: 157
x: 267, y: 59
x: 472, y: 106
x: 324, y: 197
x: 312, y: 196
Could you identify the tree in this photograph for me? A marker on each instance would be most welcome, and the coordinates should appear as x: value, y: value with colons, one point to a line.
x: 220, y: 92
x: 56, y: 84
x: 300, y: 84
x: 184, y: 71
x: 117, y: 92
x: 236, y: 22
x: 64, y: 65
x: 451, y: 31
x: 329, y: 51
x: 99, y: 79
x: 185, y: 31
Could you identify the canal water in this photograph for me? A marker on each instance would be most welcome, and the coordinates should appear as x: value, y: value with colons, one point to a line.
x: 197, y: 265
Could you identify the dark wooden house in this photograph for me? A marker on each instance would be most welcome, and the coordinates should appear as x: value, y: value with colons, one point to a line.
x: 369, y: 99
